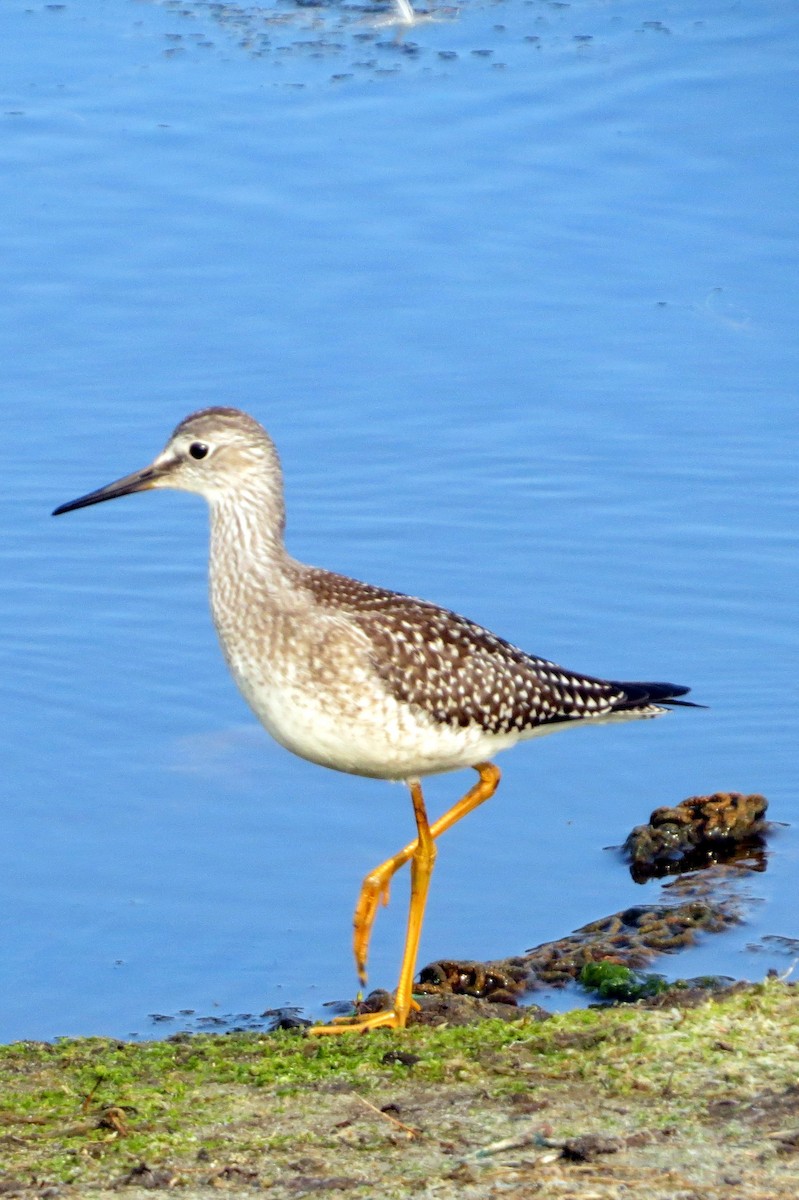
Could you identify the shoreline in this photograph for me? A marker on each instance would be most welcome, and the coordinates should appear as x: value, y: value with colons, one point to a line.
x: 650, y: 1101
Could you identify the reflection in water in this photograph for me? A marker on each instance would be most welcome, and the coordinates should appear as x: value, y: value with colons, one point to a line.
x: 313, y: 32
x: 260, y: 32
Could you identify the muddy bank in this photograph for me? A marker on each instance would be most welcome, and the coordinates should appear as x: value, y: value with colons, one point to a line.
x: 664, y: 1102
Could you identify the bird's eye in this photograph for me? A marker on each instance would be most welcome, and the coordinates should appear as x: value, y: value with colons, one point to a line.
x: 198, y: 449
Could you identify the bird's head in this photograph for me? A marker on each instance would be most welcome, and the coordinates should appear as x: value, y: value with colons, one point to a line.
x: 220, y: 453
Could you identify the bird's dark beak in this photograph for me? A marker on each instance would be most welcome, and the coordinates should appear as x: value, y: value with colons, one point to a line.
x: 139, y: 481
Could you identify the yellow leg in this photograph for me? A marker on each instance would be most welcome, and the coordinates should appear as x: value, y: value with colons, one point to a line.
x: 422, y: 860
x: 376, y: 886
x: 422, y: 853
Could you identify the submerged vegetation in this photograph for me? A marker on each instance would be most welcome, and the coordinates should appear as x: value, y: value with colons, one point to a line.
x: 612, y: 981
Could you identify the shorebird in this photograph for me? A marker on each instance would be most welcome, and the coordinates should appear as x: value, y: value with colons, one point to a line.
x: 358, y: 678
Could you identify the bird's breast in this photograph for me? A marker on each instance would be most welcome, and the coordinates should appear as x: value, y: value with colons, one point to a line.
x: 312, y: 684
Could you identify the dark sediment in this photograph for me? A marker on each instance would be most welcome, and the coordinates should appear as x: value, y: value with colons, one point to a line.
x: 697, y: 832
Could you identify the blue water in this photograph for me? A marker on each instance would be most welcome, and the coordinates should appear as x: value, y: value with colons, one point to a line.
x: 515, y: 293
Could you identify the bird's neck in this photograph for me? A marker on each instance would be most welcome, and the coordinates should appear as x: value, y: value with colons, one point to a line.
x: 248, y: 553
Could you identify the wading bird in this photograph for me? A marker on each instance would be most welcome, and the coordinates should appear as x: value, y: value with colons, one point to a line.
x: 358, y: 678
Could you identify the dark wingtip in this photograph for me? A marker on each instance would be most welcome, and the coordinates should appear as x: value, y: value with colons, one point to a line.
x: 640, y: 694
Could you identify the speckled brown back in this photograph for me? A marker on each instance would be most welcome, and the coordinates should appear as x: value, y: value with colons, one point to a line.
x: 457, y: 671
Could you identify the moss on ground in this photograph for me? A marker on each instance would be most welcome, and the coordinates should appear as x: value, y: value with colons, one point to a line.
x: 422, y: 1111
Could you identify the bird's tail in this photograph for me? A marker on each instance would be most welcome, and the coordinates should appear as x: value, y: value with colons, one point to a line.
x: 644, y: 695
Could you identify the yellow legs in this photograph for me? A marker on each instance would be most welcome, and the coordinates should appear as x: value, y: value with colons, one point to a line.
x: 375, y: 890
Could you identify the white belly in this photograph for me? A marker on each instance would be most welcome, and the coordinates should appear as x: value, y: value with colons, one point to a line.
x: 376, y: 736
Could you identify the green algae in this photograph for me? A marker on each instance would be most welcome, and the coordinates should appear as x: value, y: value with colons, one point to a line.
x: 83, y: 1112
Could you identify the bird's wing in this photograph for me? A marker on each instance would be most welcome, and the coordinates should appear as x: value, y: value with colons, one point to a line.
x: 457, y: 671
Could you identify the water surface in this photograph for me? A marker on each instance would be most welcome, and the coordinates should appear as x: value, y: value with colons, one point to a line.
x: 515, y: 294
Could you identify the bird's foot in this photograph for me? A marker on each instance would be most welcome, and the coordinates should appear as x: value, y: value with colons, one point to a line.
x: 389, y: 1018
